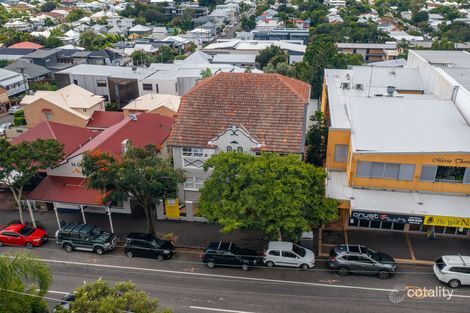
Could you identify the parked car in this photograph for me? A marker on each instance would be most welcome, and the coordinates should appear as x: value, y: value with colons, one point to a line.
x: 13, y: 109
x: 148, y: 246
x: 282, y: 253
x: 347, y: 259
x: 453, y: 270
x: 229, y: 254
x: 65, y: 302
x: 22, y: 235
x: 223, y: 34
x: 85, y: 237
x: 4, y: 127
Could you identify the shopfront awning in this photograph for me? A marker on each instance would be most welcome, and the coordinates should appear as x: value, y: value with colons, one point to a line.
x: 65, y: 189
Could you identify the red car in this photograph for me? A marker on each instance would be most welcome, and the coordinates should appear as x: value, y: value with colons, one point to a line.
x: 22, y: 235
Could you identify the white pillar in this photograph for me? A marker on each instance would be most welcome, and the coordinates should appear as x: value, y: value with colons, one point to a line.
x: 189, y: 211
x: 108, y: 210
x: 57, y: 216
x: 83, y: 214
x: 31, y: 213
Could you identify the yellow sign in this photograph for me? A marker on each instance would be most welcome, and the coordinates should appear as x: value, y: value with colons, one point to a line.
x: 458, y: 222
x: 172, y: 208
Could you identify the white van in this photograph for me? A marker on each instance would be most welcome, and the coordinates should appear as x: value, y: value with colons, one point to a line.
x: 282, y: 253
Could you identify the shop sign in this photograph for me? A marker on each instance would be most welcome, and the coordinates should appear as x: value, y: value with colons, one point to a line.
x: 385, y: 217
x: 458, y: 222
x: 456, y: 161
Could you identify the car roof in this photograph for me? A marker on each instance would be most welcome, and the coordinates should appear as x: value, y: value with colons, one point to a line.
x: 142, y: 236
x: 280, y: 245
x: 458, y: 260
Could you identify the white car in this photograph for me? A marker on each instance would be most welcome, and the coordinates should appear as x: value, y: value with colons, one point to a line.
x: 282, y: 253
x: 4, y: 127
x: 14, y: 108
x: 453, y: 270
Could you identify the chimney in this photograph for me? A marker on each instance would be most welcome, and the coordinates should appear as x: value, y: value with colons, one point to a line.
x: 125, y: 144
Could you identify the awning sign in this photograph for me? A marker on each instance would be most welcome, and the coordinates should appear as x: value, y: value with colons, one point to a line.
x: 385, y: 217
x: 458, y: 222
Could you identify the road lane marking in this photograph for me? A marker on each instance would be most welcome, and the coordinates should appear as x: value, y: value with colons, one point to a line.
x: 58, y: 292
x: 217, y: 310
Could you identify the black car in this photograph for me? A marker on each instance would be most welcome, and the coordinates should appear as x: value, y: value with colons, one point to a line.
x: 148, y: 246
x: 85, y: 237
x: 358, y: 259
x: 229, y: 254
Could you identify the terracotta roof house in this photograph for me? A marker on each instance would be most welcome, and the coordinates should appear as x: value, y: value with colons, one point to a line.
x: 242, y: 112
x: 71, y: 105
x: 65, y: 185
x: 26, y: 45
x: 71, y: 137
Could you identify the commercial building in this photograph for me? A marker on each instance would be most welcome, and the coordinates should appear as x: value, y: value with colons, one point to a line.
x: 370, y: 52
x: 398, y: 155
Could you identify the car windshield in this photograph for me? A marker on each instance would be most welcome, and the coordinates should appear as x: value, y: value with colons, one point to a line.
x: 158, y: 242
x: 375, y: 256
x: 440, y: 263
x: 96, y: 231
x: 299, y: 250
x: 26, y: 231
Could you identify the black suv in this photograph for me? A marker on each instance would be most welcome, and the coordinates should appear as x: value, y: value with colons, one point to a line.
x: 359, y: 259
x: 228, y: 254
x: 85, y: 237
x: 148, y: 246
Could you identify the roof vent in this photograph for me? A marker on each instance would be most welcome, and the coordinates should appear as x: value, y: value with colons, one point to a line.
x: 390, y: 90
x: 345, y: 85
x: 133, y: 117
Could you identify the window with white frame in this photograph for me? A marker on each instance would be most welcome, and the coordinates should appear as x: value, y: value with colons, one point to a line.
x: 194, y: 183
x: 385, y: 170
x: 193, y: 152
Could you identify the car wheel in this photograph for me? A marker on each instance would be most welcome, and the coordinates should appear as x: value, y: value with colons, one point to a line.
x: 99, y: 250
x: 269, y: 264
x: 129, y: 254
x: 384, y: 274
x: 29, y: 245
x: 304, y: 267
x: 343, y: 271
x: 245, y: 267
x: 210, y: 264
x: 68, y: 247
x: 454, y: 283
x: 160, y: 257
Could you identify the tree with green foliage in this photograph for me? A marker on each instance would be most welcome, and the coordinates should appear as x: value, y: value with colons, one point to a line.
x: 43, y: 85
x: 23, y: 283
x: 4, y: 63
x: 9, y: 36
x: 18, y: 118
x: 272, y: 54
x: 317, y: 140
x: 442, y: 45
x: 248, y: 23
x: 93, y: 41
x: 165, y: 54
x: 75, y: 15
x: 141, y: 57
x: 281, y: 68
x: 111, y: 106
x: 4, y: 16
x: 420, y: 16
x: 279, y: 195
x: 448, y: 12
x: 206, y: 73
x: 456, y: 32
x: 140, y: 175
x: 52, y: 42
x: 20, y: 163
x: 48, y: 6
x: 100, y: 297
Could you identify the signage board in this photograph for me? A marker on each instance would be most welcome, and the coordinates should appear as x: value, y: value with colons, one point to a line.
x: 459, y: 222
x: 172, y: 208
x: 385, y: 217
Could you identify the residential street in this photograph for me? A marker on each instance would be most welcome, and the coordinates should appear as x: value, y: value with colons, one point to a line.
x: 6, y: 119
x: 186, y: 285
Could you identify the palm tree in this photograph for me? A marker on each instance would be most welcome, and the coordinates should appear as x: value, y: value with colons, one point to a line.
x: 23, y: 282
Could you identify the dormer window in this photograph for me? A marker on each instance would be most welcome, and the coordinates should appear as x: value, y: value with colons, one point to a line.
x: 229, y: 149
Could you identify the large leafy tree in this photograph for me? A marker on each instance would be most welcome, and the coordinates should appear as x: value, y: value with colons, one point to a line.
x: 23, y: 282
x: 100, y: 297
x: 20, y: 163
x: 273, y: 55
x: 279, y: 195
x: 141, y: 175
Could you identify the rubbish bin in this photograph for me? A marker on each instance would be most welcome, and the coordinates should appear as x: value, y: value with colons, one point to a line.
x: 306, y: 240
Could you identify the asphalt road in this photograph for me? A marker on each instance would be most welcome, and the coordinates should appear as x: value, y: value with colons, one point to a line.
x: 6, y: 119
x: 186, y: 285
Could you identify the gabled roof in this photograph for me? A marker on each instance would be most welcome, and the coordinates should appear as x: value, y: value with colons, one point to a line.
x: 104, y: 119
x: 31, y: 70
x: 145, y: 129
x: 71, y: 137
x: 271, y: 107
x: 150, y: 102
x: 26, y: 45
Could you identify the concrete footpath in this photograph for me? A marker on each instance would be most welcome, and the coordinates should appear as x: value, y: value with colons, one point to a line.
x: 409, y: 248
x: 195, y: 235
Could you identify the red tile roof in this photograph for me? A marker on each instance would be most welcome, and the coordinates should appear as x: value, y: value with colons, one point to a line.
x: 71, y: 137
x: 104, y: 119
x: 65, y: 189
x: 26, y: 45
x: 147, y: 129
x: 271, y: 107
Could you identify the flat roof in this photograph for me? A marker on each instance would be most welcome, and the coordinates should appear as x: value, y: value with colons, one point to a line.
x: 461, y: 75
x: 234, y: 58
x: 109, y: 71
x: 407, y: 125
x: 343, y: 45
x: 445, y: 58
